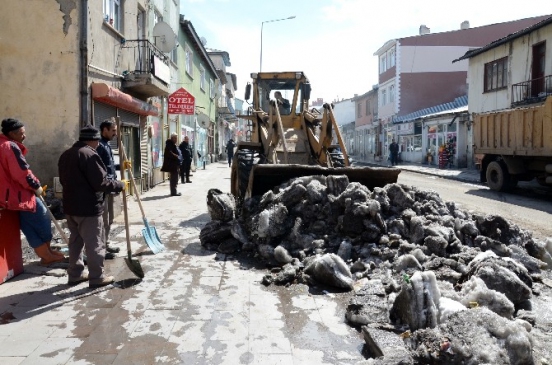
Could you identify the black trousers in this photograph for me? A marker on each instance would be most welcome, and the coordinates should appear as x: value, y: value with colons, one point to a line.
x: 185, y: 170
x: 173, y: 180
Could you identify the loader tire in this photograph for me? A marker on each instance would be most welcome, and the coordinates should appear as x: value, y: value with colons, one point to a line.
x: 246, y: 160
x: 337, y: 159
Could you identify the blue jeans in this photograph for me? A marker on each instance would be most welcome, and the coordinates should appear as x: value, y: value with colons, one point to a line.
x: 36, y: 226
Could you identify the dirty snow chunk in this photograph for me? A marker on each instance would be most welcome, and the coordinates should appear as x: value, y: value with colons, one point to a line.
x: 291, y: 195
x: 398, y: 196
x: 448, y: 306
x: 268, y: 223
x: 476, y: 336
x: 344, y: 250
x: 316, y: 192
x: 407, y: 262
x: 418, y: 302
x: 337, y: 184
x: 419, y: 255
x: 221, y: 206
x: 238, y: 232
x: 476, y: 293
x: 282, y: 255
x: 331, y: 270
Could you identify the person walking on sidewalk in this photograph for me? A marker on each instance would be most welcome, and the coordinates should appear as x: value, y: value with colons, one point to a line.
x: 171, y: 163
x: 230, y: 151
x: 187, y: 153
x: 108, y: 131
x: 18, y: 187
x: 84, y: 179
x: 394, y: 151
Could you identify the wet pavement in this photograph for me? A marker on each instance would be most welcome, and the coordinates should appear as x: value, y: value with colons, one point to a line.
x: 193, y: 306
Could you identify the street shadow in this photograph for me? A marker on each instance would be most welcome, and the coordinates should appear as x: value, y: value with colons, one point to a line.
x: 157, y: 197
x: 197, y: 222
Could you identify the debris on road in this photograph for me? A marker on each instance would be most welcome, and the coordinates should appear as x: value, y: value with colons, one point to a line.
x: 460, y: 282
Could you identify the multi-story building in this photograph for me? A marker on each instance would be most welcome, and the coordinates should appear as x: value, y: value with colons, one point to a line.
x: 417, y: 72
x: 69, y: 63
x: 367, y: 126
x: 198, y: 76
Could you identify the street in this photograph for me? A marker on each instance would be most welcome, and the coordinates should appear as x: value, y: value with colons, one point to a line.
x: 199, y: 307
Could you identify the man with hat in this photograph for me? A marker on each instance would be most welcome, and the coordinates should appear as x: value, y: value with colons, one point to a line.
x: 18, y: 187
x: 84, y: 179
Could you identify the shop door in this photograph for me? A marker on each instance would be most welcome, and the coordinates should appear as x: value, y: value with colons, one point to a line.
x: 130, y: 133
x: 537, y: 82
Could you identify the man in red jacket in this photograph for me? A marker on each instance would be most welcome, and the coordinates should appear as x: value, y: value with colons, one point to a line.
x: 18, y: 187
x: 84, y: 178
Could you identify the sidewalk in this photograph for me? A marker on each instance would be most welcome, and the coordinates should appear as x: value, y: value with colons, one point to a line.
x: 192, y: 307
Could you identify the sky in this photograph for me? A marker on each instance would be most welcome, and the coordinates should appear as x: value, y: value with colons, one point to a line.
x: 332, y: 41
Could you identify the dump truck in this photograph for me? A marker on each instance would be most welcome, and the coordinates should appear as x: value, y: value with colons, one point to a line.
x: 284, y: 139
x: 514, y: 145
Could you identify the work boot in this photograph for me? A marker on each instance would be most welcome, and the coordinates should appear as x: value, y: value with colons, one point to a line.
x: 74, y: 281
x: 55, y: 252
x: 112, y: 249
x: 109, y: 255
x: 98, y: 283
x: 188, y: 181
x: 46, y: 256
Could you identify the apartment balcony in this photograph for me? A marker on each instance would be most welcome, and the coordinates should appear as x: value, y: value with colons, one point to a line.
x: 532, y: 91
x: 151, y: 75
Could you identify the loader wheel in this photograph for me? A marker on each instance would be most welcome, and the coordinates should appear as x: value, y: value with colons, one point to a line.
x: 246, y: 159
x: 498, y: 178
x: 336, y: 158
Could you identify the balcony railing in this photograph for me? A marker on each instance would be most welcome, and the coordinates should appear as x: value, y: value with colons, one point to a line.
x: 147, y: 61
x: 532, y: 91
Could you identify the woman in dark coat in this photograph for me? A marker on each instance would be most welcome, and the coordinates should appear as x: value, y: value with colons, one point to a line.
x: 171, y: 162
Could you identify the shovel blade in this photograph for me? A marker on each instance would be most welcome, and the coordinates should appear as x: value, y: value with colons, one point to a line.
x: 152, y: 239
x: 135, y: 266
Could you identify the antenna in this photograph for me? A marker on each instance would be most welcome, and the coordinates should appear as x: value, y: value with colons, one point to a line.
x: 164, y: 37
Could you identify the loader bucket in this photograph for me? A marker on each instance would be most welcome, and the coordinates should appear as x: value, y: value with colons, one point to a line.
x: 266, y: 177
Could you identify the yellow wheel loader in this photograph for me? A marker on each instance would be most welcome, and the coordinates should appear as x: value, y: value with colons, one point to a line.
x: 285, y: 140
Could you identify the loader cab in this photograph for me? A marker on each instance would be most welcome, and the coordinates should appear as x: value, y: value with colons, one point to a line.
x: 293, y: 87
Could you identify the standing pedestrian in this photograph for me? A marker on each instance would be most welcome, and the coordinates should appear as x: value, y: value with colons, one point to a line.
x: 108, y: 131
x: 171, y: 163
x: 187, y: 156
x: 394, y: 150
x: 84, y: 179
x: 230, y: 151
x: 18, y: 187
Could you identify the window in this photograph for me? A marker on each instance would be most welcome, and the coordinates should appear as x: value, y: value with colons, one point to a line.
x: 392, y: 93
x: 392, y: 58
x: 383, y: 64
x: 211, y: 89
x: 383, y: 97
x: 202, y: 77
x: 359, y: 110
x: 113, y: 14
x: 496, y: 74
x: 189, y: 61
x: 367, y: 107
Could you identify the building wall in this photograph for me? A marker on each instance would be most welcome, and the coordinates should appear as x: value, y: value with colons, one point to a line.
x: 39, y: 70
x: 520, y: 61
x: 344, y: 112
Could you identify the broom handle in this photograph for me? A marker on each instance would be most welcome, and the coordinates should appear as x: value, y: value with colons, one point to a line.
x: 132, y: 180
x: 127, y: 231
x: 58, y: 227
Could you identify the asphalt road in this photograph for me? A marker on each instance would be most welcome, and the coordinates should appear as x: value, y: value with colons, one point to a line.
x: 528, y: 206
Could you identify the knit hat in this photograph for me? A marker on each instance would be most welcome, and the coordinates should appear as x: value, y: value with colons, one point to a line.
x: 10, y: 124
x: 89, y: 133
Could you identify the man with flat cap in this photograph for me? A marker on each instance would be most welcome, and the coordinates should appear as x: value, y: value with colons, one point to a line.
x: 84, y: 179
x: 18, y: 187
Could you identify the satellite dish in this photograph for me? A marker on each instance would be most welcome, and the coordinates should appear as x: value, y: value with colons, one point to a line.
x: 164, y: 37
x: 203, y: 41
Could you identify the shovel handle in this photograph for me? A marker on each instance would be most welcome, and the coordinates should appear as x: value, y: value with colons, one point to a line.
x: 58, y: 227
x: 125, y: 212
x: 132, y: 179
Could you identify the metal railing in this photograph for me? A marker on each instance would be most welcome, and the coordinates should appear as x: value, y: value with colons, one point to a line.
x: 141, y: 53
x: 531, y: 91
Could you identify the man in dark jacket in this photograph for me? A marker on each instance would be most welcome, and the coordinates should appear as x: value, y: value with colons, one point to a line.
x: 108, y: 131
x: 187, y: 154
x: 84, y: 179
x: 171, y: 163
x: 394, y: 151
x: 230, y: 145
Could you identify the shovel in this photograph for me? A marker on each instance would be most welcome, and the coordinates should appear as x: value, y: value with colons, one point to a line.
x: 148, y: 232
x: 133, y: 264
x: 58, y: 227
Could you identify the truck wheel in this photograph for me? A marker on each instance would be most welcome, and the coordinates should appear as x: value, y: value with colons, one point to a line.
x: 337, y: 159
x: 498, y: 178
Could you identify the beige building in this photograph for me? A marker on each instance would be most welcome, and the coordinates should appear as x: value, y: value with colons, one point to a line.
x: 67, y: 63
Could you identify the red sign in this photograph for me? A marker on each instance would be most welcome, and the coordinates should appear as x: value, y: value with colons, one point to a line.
x: 181, y: 102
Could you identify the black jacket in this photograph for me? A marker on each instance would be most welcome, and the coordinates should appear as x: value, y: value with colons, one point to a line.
x: 186, y: 150
x: 84, y: 179
x: 170, y: 157
x: 106, y: 154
